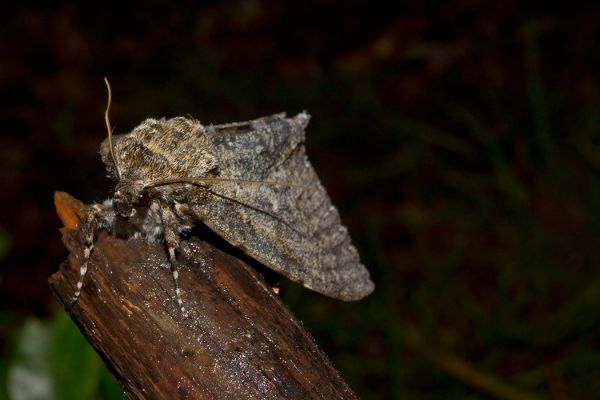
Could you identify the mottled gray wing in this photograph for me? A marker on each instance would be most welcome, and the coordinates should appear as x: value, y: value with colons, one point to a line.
x: 292, y: 227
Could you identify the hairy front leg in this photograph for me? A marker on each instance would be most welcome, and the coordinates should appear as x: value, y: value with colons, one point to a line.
x: 99, y: 216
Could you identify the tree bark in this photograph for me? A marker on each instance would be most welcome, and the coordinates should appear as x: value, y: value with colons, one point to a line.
x: 238, y: 341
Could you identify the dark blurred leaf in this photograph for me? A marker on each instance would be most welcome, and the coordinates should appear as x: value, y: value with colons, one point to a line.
x: 3, y: 378
x: 5, y: 242
x: 109, y: 388
x: 76, y: 368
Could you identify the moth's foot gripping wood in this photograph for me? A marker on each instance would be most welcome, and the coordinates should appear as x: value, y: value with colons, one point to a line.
x: 238, y: 341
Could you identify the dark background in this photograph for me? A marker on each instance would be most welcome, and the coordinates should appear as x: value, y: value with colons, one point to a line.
x: 461, y: 143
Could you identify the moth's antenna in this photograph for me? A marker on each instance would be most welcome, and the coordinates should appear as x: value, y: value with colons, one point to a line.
x: 107, y: 121
x: 199, y: 181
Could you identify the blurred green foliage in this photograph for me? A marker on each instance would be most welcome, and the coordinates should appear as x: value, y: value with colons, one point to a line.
x: 460, y: 141
x: 52, y: 360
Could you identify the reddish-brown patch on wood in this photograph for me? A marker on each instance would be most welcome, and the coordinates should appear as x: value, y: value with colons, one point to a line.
x: 70, y: 210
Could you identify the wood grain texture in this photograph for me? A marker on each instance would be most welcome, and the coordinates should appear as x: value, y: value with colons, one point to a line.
x: 238, y: 342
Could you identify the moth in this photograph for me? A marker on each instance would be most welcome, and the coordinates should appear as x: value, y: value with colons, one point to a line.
x: 250, y: 182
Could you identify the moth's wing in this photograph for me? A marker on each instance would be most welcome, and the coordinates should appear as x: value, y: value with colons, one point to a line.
x: 291, y: 227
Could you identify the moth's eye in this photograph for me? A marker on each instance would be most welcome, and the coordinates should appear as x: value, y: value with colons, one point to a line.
x: 143, y: 199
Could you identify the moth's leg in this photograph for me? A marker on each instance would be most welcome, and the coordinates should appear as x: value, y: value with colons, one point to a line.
x: 172, y: 241
x: 98, y: 217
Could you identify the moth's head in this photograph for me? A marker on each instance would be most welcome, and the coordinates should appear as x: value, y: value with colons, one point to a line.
x: 110, y: 164
x: 130, y: 196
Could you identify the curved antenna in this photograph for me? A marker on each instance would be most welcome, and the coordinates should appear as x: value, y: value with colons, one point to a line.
x: 107, y: 121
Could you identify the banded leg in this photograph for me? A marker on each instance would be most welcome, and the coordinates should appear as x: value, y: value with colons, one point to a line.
x: 98, y: 217
x: 172, y: 241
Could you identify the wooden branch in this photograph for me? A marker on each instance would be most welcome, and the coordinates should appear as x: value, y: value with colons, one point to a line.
x: 239, y: 340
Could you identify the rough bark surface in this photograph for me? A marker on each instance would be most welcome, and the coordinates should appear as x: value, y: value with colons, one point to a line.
x: 238, y: 341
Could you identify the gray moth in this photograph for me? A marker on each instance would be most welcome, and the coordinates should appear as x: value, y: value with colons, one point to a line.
x: 250, y: 182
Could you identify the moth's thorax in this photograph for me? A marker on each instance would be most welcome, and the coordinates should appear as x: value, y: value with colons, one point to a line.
x: 128, y: 195
x: 161, y: 149
x: 144, y: 208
